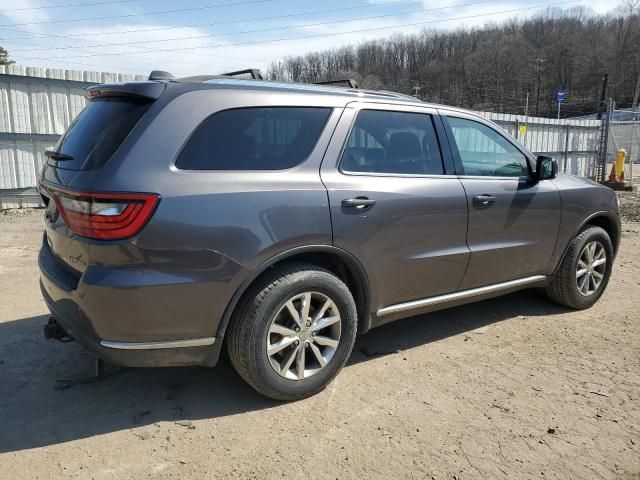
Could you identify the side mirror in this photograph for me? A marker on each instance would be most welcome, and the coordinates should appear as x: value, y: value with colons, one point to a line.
x: 546, y: 168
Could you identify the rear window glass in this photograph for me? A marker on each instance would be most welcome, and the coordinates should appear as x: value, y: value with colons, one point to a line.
x: 273, y: 138
x: 98, y: 132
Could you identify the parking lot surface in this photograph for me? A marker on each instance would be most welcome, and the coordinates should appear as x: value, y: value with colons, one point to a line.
x: 515, y: 387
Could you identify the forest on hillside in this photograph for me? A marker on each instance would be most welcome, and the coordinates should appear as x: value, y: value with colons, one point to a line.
x: 494, y: 67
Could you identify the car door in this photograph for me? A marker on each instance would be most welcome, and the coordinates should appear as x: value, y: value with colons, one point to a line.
x: 392, y: 205
x: 513, y: 220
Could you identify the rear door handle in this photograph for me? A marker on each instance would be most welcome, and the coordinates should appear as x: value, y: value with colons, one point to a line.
x: 358, y: 202
x: 483, y: 200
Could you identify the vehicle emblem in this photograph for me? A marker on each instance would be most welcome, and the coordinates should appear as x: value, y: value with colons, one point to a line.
x: 77, y: 260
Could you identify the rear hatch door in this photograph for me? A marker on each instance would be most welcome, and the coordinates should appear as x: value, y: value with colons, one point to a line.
x: 79, y: 158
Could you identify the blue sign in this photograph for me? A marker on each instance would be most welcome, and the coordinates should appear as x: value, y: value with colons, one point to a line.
x: 561, y: 95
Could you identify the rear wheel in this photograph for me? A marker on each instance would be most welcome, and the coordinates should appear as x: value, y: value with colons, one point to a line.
x: 585, y: 270
x: 293, y: 332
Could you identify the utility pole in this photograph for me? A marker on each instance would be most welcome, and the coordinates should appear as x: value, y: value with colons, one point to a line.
x: 636, y: 96
x: 539, y: 63
x: 603, y: 95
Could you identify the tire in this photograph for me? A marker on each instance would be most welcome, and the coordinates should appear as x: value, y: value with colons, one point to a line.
x: 565, y: 285
x: 263, y: 322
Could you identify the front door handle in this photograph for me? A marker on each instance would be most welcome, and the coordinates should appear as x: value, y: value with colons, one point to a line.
x: 358, y: 202
x: 483, y: 201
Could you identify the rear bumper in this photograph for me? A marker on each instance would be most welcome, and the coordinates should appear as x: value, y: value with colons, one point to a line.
x: 68, y: 297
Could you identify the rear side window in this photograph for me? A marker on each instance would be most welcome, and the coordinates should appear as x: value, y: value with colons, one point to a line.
x: 392, y: 142
x: 98, y: 131
x: 273, y: 138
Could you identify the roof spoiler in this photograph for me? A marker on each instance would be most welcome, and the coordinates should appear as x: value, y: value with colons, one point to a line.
x: 149, y: 90
x: 347, y: 82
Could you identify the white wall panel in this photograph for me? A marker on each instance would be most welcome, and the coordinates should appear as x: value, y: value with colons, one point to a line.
x: 60, y: 111
x: 40, y: 112
x: 77, y: 101
x: 19, y: 106
x: 25, y: 165
x: 8, y: 178
x: 5, y: 110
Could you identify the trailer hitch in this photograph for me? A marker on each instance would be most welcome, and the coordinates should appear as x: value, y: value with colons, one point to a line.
x: 53, y: 330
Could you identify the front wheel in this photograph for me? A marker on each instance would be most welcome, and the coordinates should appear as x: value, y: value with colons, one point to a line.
x: 584, y: 272
x: 293, y: 332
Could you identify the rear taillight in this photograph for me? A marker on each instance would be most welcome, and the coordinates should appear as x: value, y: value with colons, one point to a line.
x: 105, y: 216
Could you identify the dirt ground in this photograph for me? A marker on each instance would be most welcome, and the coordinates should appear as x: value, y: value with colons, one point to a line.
x: 512, y: 388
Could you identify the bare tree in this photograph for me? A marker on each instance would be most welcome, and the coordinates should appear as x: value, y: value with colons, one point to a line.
x: 494, y: 67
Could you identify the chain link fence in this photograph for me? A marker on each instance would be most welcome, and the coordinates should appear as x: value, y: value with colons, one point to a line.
x: 625, y: 135
x: 572, y: 143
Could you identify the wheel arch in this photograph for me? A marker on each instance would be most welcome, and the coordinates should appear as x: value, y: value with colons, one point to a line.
x: 603, y: 219
x: 340, y: 262
x: 608, y: 223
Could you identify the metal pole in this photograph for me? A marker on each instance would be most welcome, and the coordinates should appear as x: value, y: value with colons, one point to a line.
x: 603, y: 169
x: 539, y: 62
x: 603, y: 95
x: 559, y: 110
x: 566, y: 148
x: 636, y: 96
x: 538, y: 93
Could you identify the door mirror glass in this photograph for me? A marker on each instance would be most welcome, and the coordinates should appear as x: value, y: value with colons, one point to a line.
x: 546, y: 168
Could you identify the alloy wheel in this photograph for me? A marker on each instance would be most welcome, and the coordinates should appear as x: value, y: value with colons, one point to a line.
x: 303, y: 335
x: 591, y: 268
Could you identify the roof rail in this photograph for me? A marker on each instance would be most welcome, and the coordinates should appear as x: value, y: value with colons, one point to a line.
x: 348, y: 82
x: 397, y: 94
x: 160, y: 75
x: 255, y: 73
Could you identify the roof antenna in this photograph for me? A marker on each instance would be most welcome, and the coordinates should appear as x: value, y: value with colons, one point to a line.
x: 160, y: 75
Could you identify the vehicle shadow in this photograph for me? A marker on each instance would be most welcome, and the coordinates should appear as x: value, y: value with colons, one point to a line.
x: 48, y: 395
x: 423, y: 329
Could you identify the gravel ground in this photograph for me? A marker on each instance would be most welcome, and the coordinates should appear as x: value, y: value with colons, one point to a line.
x: 629, y: 206
x: 515, y: 387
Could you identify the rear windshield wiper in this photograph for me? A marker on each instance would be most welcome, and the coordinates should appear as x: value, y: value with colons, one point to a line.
x: 57, y: 155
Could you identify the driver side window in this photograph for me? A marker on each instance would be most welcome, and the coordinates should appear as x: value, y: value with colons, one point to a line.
x: 485, y: 152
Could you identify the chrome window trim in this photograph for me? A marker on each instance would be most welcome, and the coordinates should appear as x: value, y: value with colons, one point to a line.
x: 489, y: 177
x: 401, y: 175
x: 194, y: 342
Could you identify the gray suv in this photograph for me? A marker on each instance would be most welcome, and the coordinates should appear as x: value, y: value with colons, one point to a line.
x: 280, y: 220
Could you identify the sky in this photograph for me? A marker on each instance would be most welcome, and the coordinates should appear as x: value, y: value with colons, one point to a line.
x: 213, y: 36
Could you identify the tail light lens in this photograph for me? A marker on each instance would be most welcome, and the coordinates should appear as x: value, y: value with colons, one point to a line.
x: 105, y: 216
